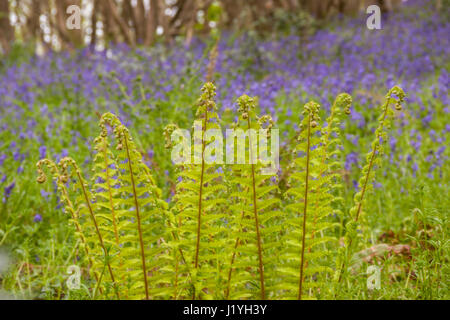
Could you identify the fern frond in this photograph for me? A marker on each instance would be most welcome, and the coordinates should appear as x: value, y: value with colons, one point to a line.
x: 310, y: 194
x: 140, y: 213
x: 87, y: 205
x: 373, y: 158
x: 254, y: 210
x: 396, y: 95
x: 198, y: 201
x: 61, y: 181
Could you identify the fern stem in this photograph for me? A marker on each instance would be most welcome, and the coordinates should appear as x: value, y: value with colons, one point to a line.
x: 302, y: 261
x: 372, y: 158
x: 233, y: 257
x: 138, y: 216
x: 97, y: 229
x: 255, y: 211
x: 374, y: 151
x: 200, y: 200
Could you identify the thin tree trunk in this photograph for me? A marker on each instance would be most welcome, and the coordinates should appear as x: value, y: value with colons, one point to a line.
x: 129, y: 15
x: 7, y: 31
x: 152, y: 22
x: 94, y: 20
x: 123, y: 26
x: 140, y: 22
x: 32, y: 28
x: 191, y: 13
x: 109, y: 30
x: 164, y: 20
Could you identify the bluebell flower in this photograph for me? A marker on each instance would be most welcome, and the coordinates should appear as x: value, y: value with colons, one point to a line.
x: 8, y: 190
x: 350, y: 160
x: 377, y: 185
x: 45, y: 194
x: 415, y: 168
x: 42, y: 152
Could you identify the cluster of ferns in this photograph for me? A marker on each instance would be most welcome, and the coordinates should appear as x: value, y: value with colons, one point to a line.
x: 229, y: 232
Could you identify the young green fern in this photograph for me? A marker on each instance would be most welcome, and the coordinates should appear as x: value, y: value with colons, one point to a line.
x: 107, y: 195
x: 92, y: 224
x: 226, y: 234
x: 198, y: 200
x: 141, y: 215
x: 253, y: 231
x: 331, y: 162
x: 373, y: 159
x: 61, y: 182
x: 312, y: 193
x: 99, y: 254
x: 123, y: 220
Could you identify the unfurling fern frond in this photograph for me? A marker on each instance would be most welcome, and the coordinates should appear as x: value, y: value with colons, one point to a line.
x: 62, y: 185
x: 199, y: 207
x: 91, y: 225
x: 122, y: 221
x: 253, y: 229
x: 313, y: 183
x: 373, y: 160
x: 138, y: 216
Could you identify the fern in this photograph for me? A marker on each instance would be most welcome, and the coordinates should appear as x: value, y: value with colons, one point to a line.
x: 373, y: 159
x: 87, y: 209
x: 227, y: 233
x: 61, y: 182
x: 123, y: 218
x: 313, y: 184
x: 253, y: 228
x: 198, y: 199
x: 141, y: 216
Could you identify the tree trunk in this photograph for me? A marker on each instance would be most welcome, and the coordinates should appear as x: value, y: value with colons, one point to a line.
x: 33, y: 27
x: 140, y: 22
x: 94, y: 20
x: 152, y: 22
x: 7, y: 31
x: 123, y: 26
x: 191, y: 13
